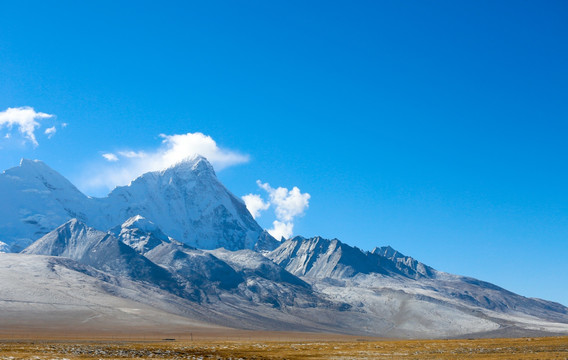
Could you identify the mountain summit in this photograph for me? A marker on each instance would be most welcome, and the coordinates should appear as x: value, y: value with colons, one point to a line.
x: 189, y: 204
x: 186, y: 201
x: 35, y: 200
x: 194, y: 164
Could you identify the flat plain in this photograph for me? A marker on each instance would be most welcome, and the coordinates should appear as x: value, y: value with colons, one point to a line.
x: 287, y: 346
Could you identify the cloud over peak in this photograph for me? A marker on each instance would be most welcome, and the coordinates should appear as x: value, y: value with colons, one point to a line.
x: 179, y: 147
x: 125, y: 165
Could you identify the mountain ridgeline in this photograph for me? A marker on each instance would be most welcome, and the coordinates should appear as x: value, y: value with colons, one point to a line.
x: 178, y: 244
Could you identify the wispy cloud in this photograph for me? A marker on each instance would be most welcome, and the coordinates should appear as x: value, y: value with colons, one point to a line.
x: 125, y: 165
x: 132, y: 154
x: 110, y: 157
x: 288, y: 204
x: 26, y: 119
x: 50, y: 132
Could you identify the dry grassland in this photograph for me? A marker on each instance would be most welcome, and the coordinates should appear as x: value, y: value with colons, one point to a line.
x: 523, y: 348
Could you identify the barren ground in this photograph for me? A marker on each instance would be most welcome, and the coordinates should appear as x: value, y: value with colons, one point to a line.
x: 274, y: 345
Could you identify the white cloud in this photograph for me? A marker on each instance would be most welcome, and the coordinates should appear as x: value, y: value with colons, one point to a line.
x: 255, y: 204
x: 281, y: 230
x: 110, y: 157
x: 178, y: 147
x: 132, y: 154
x: 50, y: 132
x: 25, y: 119
x: 174, y: 148
x: 288, y: 204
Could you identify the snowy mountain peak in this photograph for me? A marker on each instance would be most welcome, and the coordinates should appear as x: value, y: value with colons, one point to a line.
x: 196, y: 164
x: 73, y: 225
x: 140, y: 222
x: 67, y: 240
x: 37, y: 175
x: 30, y: 171
x: 35, y: 200
x: 140, y: 234
x: 101, y: 250
x: 188, y: 203
x: 4, y: 248
x: 28, y: 163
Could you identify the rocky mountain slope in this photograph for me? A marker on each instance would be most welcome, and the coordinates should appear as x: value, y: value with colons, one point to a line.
x: 305, y: 284
x: 249, y: 291
x: 102, y: 251
x: 414, y: 297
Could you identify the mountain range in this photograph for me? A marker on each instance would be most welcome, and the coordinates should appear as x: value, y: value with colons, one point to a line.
x: 176, y: 247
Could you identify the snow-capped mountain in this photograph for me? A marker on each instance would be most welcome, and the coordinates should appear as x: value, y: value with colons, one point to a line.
x: 36, y: 200
x: 186, y: 200
x: 4, y: 248
x: 188, y: 203
x: 155, y: 244
x: 141, y: 234
x: 102, y: 251
x: 196, y: 266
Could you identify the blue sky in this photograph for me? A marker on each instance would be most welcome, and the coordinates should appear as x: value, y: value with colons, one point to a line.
x: 436, y: 127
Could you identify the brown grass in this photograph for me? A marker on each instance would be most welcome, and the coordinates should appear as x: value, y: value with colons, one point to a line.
x: 310, y: 348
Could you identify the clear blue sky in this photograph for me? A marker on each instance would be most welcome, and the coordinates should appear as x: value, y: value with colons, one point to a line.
x: 440, y: 128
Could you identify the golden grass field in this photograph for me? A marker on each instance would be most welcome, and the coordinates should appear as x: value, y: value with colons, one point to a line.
x: 312, y: 347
